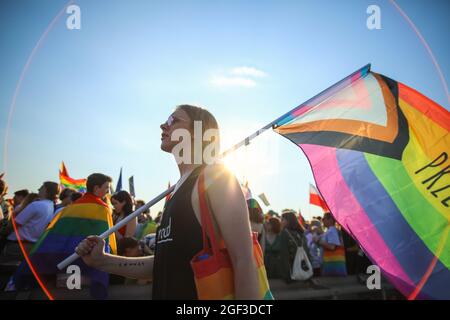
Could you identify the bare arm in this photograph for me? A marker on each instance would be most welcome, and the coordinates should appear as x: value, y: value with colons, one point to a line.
x: 135, y: 268
x: 92, y: 252
x: 230, y: 211
x: 131, y: 228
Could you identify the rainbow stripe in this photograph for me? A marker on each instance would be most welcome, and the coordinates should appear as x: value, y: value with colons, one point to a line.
x: 253, y: 204
x: 67, y: 182
x: 87, y: 216
x: 334, y: 262
x: 379, y: 154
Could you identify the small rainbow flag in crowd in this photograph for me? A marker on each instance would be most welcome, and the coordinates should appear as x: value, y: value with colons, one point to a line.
x: 253, y: 204
x: 67, y: 182
x: 89, y: 215
x: 379, y: 152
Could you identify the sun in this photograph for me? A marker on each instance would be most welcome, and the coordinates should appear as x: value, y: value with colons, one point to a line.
x: 255, y: 163
x: 237, y: 163
x: 239, y: 160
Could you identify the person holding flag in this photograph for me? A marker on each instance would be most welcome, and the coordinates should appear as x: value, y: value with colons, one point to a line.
x: 179, y: 236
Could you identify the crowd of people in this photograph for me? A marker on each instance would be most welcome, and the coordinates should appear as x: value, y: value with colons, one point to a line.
x: 320, y: 237
x: 279, y: 235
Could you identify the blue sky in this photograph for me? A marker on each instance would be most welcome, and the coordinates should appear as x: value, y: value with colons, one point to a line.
x: 95, y: 97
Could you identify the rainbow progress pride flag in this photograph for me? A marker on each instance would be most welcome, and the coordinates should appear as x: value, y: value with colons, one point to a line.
x: 67, y: 182
x: 379, y: 152
x: 87, y: 216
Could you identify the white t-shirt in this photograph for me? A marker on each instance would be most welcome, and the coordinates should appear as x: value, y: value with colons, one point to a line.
x: 33, y: 220
x: 332, y: 236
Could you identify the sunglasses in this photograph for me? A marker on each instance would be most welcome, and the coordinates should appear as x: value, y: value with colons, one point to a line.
x: 171, y: 120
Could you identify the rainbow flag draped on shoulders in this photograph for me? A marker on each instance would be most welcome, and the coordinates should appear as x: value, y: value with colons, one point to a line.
x: 89, y: 215
x: 67, y: 182
x: 379, y: 152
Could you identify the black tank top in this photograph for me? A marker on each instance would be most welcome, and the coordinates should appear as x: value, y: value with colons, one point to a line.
x: 178, y: 239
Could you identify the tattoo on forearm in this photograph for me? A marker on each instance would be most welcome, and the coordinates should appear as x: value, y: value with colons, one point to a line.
x: 126, y: 264
x: 132, y: 264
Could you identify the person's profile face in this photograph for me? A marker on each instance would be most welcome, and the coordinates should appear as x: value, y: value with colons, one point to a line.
x: 179, y: 119
x: 101, y: 191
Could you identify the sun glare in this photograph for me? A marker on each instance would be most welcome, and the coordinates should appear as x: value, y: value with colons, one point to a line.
x: 255, y: 162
